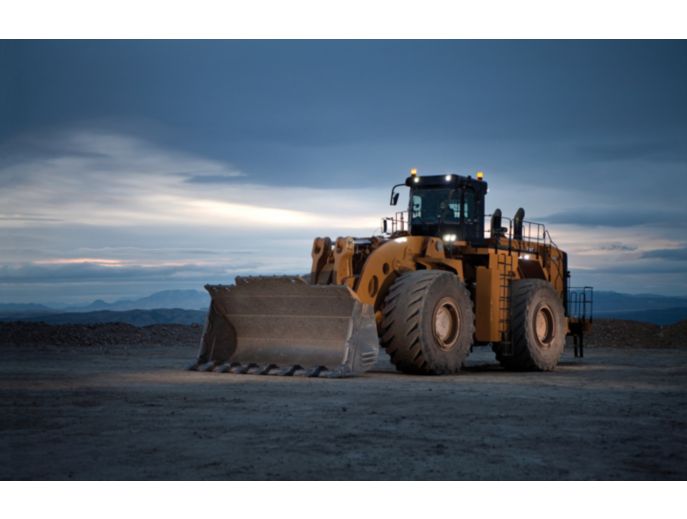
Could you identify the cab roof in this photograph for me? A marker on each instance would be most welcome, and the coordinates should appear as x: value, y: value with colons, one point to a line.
x: 441, y: 181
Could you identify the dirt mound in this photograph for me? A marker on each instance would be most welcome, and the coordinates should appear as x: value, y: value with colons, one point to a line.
x: 605, y: 332
x: 635, y: 334
x: 675, y: 334
x: 41, y: 334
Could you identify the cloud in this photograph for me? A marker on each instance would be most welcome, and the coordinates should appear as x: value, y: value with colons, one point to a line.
x: 212, y: 179
x: 108, y: 179
x: 618, y: 247
x: 621, y: 217
x: 667, y: 150
x: 27, y: 217
x: 645, y: 268
x: 88, y: 270
x: 102, y: 212
x: 679, y: 254
x: 89, y: 153
x: 105, y: 213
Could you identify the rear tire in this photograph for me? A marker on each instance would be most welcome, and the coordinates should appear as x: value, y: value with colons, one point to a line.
x: 428, y: 323
x: 537, y: 327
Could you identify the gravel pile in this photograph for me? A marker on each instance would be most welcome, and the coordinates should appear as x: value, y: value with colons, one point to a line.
x: 634, y: 334
x: 95, y: 335
x: 675, y: 334
x: 605, y: 332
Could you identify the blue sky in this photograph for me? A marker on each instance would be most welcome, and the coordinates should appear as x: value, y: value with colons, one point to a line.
x: 133, y: 166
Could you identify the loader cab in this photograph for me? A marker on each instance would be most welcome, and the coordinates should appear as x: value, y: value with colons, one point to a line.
x: 450, y: 207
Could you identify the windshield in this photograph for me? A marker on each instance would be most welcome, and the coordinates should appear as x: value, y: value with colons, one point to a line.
x: 440, y: 205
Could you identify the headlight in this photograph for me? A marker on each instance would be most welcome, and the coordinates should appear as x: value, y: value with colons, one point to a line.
x: 449, y: 237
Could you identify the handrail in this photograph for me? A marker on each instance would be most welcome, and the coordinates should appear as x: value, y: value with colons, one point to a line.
x: 581, y: 303
x: 399, y: 222
x: 532, y: 232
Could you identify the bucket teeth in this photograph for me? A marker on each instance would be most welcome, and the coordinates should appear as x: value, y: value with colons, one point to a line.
x: 296, y: 370
x: 255, y: 370
x: 249, y: 369
x: 265, y: 370
x: 291, y: 371
x: 315, y: 372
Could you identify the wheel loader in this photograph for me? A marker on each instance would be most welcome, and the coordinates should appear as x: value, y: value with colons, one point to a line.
x: 440, y: 279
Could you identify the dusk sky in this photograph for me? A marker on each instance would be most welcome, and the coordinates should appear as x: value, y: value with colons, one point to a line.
x: 132, y: 167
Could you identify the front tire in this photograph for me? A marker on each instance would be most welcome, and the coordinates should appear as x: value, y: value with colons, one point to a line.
x: 537, y: 327
x: 428, y: 323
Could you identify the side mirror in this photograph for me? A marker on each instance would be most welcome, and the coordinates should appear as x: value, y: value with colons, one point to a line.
x: 393, y: 199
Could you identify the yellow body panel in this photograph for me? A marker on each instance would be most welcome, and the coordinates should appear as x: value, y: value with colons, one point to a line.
x: 486, y: 305
x: 386, y: 262
x: 487, y: 271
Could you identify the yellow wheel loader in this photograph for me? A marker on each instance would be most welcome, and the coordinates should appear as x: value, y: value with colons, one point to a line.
x: 437, y: 282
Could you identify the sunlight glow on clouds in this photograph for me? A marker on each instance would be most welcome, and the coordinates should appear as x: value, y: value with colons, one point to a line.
x: 114, y: 180
x: 81, y: 261
x: 92, y: 206
x: 107, y: 215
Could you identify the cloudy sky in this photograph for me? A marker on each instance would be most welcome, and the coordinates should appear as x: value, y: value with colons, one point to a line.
x: 132, y: 167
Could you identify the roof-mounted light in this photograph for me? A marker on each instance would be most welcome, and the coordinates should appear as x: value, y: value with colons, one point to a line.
x: 413, y: 172
x: 448, y: 178
x: 480, y: 175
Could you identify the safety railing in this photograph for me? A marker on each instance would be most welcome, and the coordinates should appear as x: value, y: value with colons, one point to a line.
x: 581, y: 303
x: 396, y: 223
x: 531, y: 235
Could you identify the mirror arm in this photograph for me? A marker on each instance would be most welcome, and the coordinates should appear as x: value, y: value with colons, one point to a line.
x: 392, y: 200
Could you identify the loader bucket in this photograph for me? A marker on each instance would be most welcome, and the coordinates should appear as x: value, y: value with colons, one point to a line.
x: 284, y: 325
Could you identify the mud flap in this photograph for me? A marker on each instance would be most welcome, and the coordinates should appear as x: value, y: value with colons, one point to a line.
x: 284, y: 325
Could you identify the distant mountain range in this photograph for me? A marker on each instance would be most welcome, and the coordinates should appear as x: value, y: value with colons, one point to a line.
x: 168, y: 306
x: 648, y: 308
x: 190, y: 306
x: 618, y: 302
x: 185, y: 299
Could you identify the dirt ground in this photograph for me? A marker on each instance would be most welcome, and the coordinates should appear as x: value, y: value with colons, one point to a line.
x: 120, y: 412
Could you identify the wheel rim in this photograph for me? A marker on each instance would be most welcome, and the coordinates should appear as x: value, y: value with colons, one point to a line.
x: 543, y: 326
x: 446, y: 324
